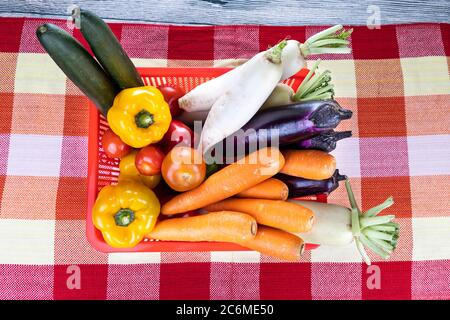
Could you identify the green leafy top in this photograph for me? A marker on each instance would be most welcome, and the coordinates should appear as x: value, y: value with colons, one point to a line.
x: 378, y: 233
x: 315, y: 86
x: 274, y: 54
x: 331, y: 40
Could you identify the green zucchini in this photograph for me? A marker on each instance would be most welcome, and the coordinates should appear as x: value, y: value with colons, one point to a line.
x: 78, y: 65
x: 108, y: 50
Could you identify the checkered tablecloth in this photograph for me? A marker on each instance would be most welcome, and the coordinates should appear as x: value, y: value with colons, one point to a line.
x: 397, y: 83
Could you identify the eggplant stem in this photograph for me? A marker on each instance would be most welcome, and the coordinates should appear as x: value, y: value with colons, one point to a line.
x: 345, y: 114
x: 342, y: 135
x: 340, y: 177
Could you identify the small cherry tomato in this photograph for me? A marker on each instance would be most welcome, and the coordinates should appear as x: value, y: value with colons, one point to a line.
x: 128, y: 171
x: 177, y: 134
x: 171, y: 94
x: 183, y: 169
x: 113, y: 146
x: 148, y: 160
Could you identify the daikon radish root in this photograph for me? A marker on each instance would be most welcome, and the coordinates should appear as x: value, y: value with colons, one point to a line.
x: 229, y: 181
x: 279, y: 214
x: 242, y: 100
x: 226, y: 226
x: 293, y: 58
x: 272, y: 189
x: 309, y: 164
x: 337, y: 225
x: 276, y: 243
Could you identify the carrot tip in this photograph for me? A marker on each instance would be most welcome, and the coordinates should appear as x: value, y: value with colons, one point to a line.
x: 285, y: 194
x: 302, y: 249
x: 254, y: 228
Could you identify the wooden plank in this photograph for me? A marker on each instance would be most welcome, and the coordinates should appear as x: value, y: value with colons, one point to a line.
x: 271, y: 12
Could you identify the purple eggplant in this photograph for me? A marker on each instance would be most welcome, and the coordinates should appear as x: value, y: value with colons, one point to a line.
x: 300, y: 187
x: 324, y: 141
x: 288, y: 124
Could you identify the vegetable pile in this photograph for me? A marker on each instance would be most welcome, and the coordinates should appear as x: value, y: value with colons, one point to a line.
x: 262, y: 146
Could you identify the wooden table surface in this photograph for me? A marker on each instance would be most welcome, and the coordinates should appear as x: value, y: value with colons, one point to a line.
x: 270, y: 12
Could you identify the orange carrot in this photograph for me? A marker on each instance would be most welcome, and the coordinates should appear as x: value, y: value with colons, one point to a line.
x: 226, y: 226
x: 276, y: 243
x: 279, y: 214
x: 272, y: 189
x: 237, y: 177
x: 309, y: 164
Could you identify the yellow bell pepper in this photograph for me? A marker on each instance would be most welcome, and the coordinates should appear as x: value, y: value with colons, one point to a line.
x: 139, y: 116
x: 128, y: 171
x: 125, y: 213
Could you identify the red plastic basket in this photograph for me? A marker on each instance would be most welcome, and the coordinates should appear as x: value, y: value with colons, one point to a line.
x: 103, y: 171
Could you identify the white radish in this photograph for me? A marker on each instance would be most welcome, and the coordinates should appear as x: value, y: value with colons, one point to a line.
x: 242, y: 100
x: 332, y: 226
x: 326, y: 41
x: 293, y: 58
x: 280, y: 96
x: 337, y: 225
x: 203, y: 96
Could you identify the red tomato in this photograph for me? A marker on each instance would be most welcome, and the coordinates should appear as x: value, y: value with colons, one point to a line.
x: 177, y: 134
x: 148, y: 160
x: 171, y: 95
x: 183, y: 169
x: 113, y: 146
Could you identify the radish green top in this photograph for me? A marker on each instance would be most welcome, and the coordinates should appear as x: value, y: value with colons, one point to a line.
x: 337, y: 225
x: 292, y: 58
x: 378, y: 233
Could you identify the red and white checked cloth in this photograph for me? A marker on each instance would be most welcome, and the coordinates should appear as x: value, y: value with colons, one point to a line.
x: 397, y: 83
